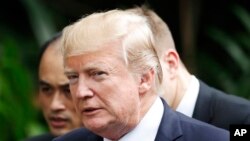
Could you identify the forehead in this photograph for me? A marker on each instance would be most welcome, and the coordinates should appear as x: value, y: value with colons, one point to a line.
x: 52, y: 55
x: 51, y: 66
x: 105, y: 57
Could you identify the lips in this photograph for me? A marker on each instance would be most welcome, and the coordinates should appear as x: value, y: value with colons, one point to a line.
x: 90, y: 111
x: 58, y: 122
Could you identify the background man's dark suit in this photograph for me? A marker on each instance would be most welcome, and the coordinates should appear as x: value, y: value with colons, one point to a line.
x: 174, y: 127
x: 220, y: 109
x: 43, y: 137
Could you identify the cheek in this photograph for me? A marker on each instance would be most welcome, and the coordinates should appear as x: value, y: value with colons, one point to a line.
x: 44, y: 104
x: 127, y: 110
x: 44, y: 101
x: 70, y: 104
x: 124, y: 94
x: 126, y: 103
x: 75, y: 105
x: 73, y: 93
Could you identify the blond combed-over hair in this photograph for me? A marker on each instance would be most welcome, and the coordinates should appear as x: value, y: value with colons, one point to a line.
x: 131, y: 29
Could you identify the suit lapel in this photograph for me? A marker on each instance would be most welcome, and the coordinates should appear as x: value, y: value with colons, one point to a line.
x: 94, y: 137
x: 203, y: 108
x: 170, y: 127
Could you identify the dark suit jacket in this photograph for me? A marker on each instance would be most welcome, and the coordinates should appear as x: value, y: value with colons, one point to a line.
x: 220, y: 109
x: 174, y: 126
x: 43, y: 137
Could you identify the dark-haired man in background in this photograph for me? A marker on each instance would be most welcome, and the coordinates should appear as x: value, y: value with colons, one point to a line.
x: 54, y: 96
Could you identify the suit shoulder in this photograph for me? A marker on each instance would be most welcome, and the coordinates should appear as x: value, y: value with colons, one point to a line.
x: 227, y: 104
x: 75, y: 135
x: 201, y: 130
x: 232, y: 99
x: 238, y: 105
x: 226, y: 97
x: 43, y: 137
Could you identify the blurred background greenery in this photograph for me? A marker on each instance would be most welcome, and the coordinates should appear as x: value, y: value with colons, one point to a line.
x: 213, y: 38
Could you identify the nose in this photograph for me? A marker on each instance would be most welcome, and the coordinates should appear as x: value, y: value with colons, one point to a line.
x: 83, y: 91
x: 57, y: 103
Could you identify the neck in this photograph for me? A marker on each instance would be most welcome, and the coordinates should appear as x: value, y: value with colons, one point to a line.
x: 182, y: 84
x: 145, y: 106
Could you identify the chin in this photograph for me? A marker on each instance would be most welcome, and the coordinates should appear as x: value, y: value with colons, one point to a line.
x: 96, y: 127
x: 59, y: 132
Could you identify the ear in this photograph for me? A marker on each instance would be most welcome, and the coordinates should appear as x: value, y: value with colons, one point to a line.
x: 171, y: 62
x: 146, y: 81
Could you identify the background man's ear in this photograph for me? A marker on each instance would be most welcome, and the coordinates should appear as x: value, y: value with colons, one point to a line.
x: 171, y: 60
x: 146, y: 82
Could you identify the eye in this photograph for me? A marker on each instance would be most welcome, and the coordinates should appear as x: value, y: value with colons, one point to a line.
x: 45, y: 89
x: 66, y: 91
x: 72, y: 78
x: 99, y: 75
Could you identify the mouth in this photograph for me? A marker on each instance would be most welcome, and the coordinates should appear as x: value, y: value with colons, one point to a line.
x: 90, y: 111
x: 58, y: 122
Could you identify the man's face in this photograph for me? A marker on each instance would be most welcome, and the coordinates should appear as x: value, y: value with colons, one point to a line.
x: 104, y: 90
x: 54, y: 95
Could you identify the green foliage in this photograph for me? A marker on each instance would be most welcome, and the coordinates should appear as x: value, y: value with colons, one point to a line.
x: 18, y: 115
x: 40, y: 19
x: 236, y: 75
x: 16, y: 92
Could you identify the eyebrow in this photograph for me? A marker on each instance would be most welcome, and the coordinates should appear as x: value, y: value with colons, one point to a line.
x: 64, y: 85
x: 41, y: 82
x: 68, y: 71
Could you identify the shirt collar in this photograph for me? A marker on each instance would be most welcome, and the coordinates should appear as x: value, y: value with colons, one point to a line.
x: 147, y: 129
x: 188, y: 101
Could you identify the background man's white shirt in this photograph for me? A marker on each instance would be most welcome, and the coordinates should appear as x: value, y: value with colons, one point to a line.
x: 188, y: 101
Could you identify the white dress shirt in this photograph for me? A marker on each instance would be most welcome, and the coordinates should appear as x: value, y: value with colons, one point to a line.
x: 188, y: 101
x: 147, y: 129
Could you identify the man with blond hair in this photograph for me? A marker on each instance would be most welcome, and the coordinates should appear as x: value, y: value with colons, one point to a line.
x: 115, y: 77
